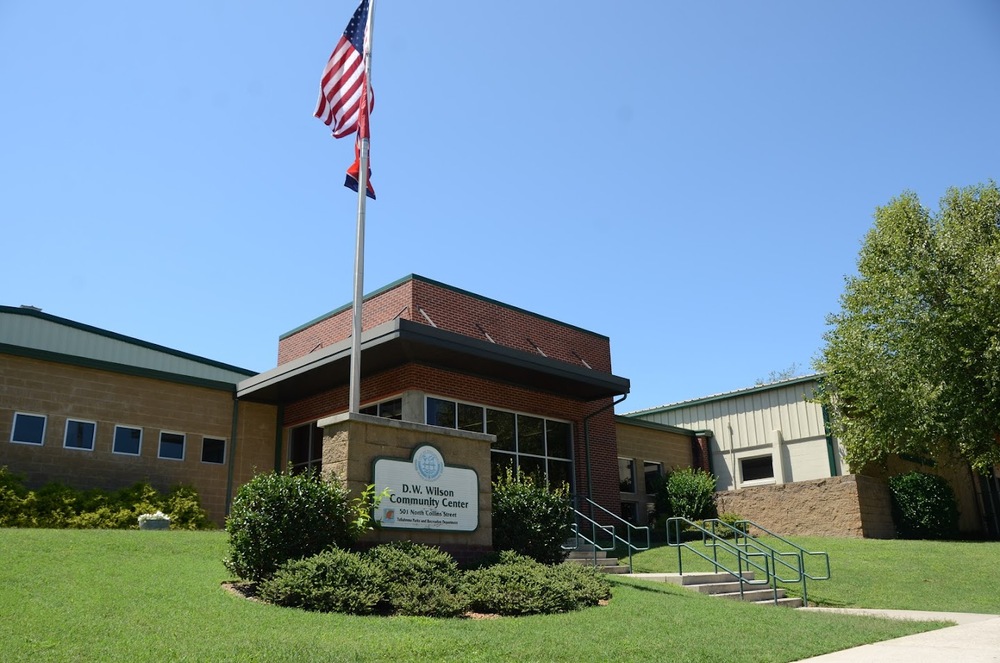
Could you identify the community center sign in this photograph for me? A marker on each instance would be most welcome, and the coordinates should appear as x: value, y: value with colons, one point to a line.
x: 424, y: 493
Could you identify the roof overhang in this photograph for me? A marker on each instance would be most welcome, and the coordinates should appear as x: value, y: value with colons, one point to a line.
x: 400, y: 341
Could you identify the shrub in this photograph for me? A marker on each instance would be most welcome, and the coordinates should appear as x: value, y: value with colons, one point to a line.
x: 519, y: 585
x: 419, y: 580
x: 687, y: 493
x: 277, y: 517
x: 531, y: 517
x: 923, y: 506
x: 334, y: 580
x: 56, y: 505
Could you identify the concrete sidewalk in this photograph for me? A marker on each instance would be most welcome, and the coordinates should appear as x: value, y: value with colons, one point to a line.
x: 974, y: 639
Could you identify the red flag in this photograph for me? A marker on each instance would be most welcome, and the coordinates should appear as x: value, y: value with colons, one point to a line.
x: 352, y: 181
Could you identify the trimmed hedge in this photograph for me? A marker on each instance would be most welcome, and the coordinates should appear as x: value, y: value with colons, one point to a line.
x: 531, y: 517
x: 278, y: 517
x: 923, y: 506
x: 57, y: 506
x: 335, y: 580
x: 419, y: 580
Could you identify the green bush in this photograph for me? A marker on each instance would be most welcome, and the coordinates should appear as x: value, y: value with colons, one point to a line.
x: 419, y: 580
x: 519, y: 585
x: 531, y: 517
x: 334, y: 580
x: 56, y: 505
x: 277, y: 517
x: 923, y: 506
x: 687, y: 493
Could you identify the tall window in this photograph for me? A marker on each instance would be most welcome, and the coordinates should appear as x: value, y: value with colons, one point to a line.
x: 28, y: 428
x: 305, y: 448
x: 626, y: 475
x: 171, y: 446
x: 653, y: 472
x: 128, y: 440
x: 534, y: 445
x: 80, y: 434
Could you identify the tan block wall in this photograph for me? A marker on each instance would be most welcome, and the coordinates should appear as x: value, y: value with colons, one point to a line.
x: 352, y: 443
x: 643, y: 444
x: 838, y: 506
x: 62, y: 391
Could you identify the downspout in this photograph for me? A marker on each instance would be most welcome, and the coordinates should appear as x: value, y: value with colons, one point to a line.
x: 232, y: 452
x: 586, y: 447
x: 830, y: 444
x: 278, y: 430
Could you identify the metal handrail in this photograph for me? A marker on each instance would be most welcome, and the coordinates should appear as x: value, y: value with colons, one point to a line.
x: 777, y: 556
x: 742, y: 526
x: 745, y: 559
x: 593, y: 539
x: 629, y: 528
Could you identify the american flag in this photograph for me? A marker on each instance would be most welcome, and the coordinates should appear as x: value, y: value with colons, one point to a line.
x: 342, y: 88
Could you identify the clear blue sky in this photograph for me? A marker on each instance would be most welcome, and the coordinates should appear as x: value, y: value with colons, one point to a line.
x: 692, y: 179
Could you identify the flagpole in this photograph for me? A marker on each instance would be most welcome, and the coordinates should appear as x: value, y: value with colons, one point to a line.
x: 359, y: 248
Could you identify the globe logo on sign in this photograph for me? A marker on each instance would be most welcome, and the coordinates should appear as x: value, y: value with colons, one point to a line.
x: 428, y: 463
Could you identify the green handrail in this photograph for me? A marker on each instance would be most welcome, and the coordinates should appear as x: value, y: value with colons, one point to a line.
x: 632, y: 545
x: 743, y: 526
x: 746, y: 560
x: 593, y: 539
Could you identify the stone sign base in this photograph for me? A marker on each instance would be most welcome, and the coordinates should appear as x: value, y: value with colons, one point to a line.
x: 353, y: 442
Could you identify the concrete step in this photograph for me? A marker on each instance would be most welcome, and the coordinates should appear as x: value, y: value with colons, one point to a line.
x: 724, y: 585
x: 590, y: 561
x: 753, y: 595
x: 583, y: 554
x: 689, y: 579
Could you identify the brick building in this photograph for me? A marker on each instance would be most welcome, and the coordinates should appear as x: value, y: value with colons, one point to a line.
x: 92, y: 408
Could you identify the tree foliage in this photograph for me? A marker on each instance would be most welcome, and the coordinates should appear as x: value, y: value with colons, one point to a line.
x: 912, y: 360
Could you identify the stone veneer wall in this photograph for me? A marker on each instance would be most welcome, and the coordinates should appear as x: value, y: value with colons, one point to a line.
x: 851, y: 505
x: 352, y: 443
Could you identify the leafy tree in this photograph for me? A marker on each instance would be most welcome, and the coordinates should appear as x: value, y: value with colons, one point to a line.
x: 912, y: 360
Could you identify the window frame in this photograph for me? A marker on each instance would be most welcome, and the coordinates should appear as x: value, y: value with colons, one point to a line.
x: 114, y: 440
x: 761, y: 480
x: 225, y: 445
x: 159, y: 449
x: 634, y: 479
x: 93, y: 434
x: 516, y: 454
x: 311, y: 463
x: 13, y: 428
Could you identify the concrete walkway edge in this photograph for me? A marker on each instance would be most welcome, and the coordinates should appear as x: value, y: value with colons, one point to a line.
x: 975, y: 638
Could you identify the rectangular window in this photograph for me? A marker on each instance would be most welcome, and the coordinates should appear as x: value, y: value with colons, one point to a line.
x: 630, y: 512
x: 558, y: 439
x: 171, y: 446
x: 502, y: 425
x: 305, y: 448
x: 128, y: 440
x: 653, y: 472
x: 80, y: 434
x: 757, y: 469
x: 28, y: 428
x: 470, y: 418
x: 530, y: 435
x: 392, y: 409
x: 213, y: 450
x: 626, y: 475
x: 440, y: 412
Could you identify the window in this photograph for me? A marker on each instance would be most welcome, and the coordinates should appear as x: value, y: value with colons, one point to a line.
x: 626, y: 475
x: 756, y: 469
x: 28, y: 428
x: 653, y: 473
x: 128, y: 440
x: 213, y: 450
x: 171, y: 446
x: 533, y: 445
x: 630, y: 512
x: 392, y: 409
x: 305, y: 448
x: 80, y: 434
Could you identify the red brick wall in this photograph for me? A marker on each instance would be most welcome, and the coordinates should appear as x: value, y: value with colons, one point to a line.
x: 458, y: 312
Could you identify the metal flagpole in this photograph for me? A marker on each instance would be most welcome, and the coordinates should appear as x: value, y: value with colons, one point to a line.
x: 359, y: 248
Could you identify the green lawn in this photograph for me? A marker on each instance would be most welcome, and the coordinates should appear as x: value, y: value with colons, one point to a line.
x: 952, y: 576
x: 156, y: 596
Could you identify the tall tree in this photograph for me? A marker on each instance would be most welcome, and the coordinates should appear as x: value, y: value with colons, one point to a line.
x: 912, y: 360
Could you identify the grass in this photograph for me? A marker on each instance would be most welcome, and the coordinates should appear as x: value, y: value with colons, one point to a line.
x: 948, y: 576
x: 68, y: 595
